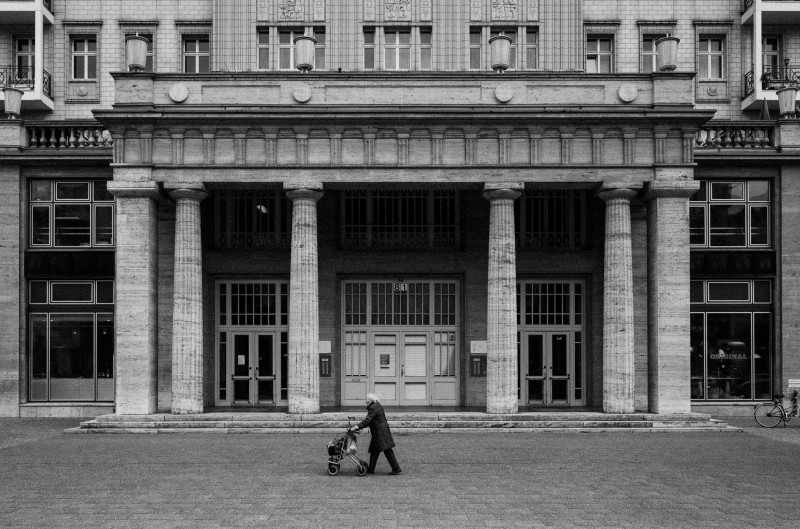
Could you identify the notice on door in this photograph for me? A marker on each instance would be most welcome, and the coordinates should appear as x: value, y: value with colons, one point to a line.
x: 240, y: 359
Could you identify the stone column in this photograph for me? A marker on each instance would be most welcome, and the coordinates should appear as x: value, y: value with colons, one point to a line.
x: 618, y: 361
x: 187, y: 303
x: 668, y: 279
x: 136, y: 295
x: 502, y: 372
x: 304, y: 304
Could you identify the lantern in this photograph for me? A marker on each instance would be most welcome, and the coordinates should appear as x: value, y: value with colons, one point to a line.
x: 13, y: 101
x: 667, y: 53
x: 304, y: 53
x: 136, y: 52
x: 500, y: 47
x: 786, y: 100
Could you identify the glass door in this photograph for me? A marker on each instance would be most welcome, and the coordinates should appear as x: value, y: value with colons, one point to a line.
x: 414, y: 369
x: 386, y: 370
x: 253, y: 369
x: 401, y: 367
x: 546, y: 376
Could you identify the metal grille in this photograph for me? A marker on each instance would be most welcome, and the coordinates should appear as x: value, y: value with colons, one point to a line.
x: 444, y: 351
x: 553, y: 303
x: 258, y: 304
x: 389, y: 219
x: 400, y: 303
x: 355, y: 354
x: 444, y: 307
x: 355, y: 296
x: 551, y: 218
x: 252, y: 219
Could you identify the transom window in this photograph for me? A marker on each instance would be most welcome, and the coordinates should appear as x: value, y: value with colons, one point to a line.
x: 71, y: 214
x: 400, y: 302
x: 551, y: 218
x: 387, y: 219
x: 196, y: 54
x: 84, y: 58
x: 44, y: 292
x: 251, y: 219
x: 711, y: 57
x: 259, y: 304
x: 549, y: 303
x: 599, y: 54
x: 731, y: 214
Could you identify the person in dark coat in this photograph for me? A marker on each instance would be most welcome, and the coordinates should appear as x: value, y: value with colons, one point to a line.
x: 381, y: 435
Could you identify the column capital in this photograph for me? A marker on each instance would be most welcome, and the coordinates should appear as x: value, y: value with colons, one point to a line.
x: 196, y: 193
x: 122, y: 189
x: 683, y: 189
x: 502, y: 190
x: 304, y: 193
x: 616, y: 192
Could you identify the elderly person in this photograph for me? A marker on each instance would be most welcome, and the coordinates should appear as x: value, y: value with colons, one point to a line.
x: 381, y: 435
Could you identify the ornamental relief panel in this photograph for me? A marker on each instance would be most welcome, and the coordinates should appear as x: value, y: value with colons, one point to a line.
x: 397, y: 10
x: 504, y: 9
x: 290, y: 10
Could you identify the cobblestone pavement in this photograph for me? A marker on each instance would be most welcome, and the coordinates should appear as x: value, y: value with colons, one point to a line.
x: 730, y: 480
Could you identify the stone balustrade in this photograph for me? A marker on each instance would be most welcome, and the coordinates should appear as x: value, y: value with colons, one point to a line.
x: 67, y: 136
x: 736, y: 135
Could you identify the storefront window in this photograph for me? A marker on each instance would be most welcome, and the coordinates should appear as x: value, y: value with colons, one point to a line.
x: 71, y: 214
x: 731, y: 214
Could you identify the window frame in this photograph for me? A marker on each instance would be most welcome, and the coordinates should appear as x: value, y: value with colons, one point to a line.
x: 398, y: 47
x: 372, y: 46
x: 197, y: 54
x: 596, y: 54
x: 649, y: 57
x: 708, y: 200
x: 29, y: 56
x: 707, y: 55
x: 267, y: 32
x: 86, y: 55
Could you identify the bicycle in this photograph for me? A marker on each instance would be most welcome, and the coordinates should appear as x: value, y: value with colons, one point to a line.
x: 771, y: 414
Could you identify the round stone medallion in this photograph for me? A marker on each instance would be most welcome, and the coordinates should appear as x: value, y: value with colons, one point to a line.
x: 82, y: 91
x: 504, y: 94
x: 628, y: 93
x: 301, y: 94
x: 178, y: 93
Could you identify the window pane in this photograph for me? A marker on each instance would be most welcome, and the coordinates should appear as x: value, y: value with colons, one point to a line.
x: 728, y: 291
x: 700, y: 195
x: 101, y: 193
x: 203, y: 45
x: 591, y: 65
x: 72, y: 225
x: 405, y: 37
x: 38, y: 348
x: 716, y: 45
x: 40, y: 225
x: 532, y: 58
x: 762, y: 353
x: 369, y: 37
x: 475, y: 37
x: 703, y: 64
x: 716, y: 68
x: 727, y: 225
x: 203, y: 64
x: 697, y: 352
x: 425, y: 37
x: 71, y: 357
x: 285, y: 37
x: 605, y: 64
x: 369, y: 58
x: 190, y: 45
x: 91, y: 72
x: 727, y: 190
x: 285, y: 56
x: 697, y: 225
x: 189, y: 65
x: 759, y: 225
x: 104, y: 225
x: 71, y: 292
x: 696, y: 292
x: 762, y: 291
x: 72, y: 190
x: 105, y: 348
x: 91, y: 45
x: 263, y: 58
x: 41, y: 190
x: 105, y: 292
x: 405, y: 58
x: 474, y: 58
x: 319, y: 34
x: 319, y: 58
x: 78, y: 45
x: 531, y: 37
x: 758, y: 190
x: 728, y: 355
x: 425, y: 58
x: 390, y: 59
x: 78, y: 69
x: 647, y: 45
x: 263, y: 37
x: 605, y: 46
x: 38, y: 292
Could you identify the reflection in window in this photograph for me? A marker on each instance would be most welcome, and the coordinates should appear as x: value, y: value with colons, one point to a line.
x: 731, y: 214
x: 71, y: 214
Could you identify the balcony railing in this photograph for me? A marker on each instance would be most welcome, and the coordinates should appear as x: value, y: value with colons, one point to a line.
x: 775, y: 77
x: 732, y: 135
x: 54, y: 135
x: 749, y: 83
x: 24, y: 78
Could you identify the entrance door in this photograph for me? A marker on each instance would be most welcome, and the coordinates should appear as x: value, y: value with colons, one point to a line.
x: 546, y: 368
x: 254, y: 370
x: 401, y: 367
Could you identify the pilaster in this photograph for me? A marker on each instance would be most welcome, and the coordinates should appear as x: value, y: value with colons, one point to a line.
x: 304, y: 304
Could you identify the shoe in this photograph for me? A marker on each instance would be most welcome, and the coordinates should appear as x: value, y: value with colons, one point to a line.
x: 395, y: 472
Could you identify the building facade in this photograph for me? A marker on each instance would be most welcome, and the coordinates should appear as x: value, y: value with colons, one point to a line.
x: 223, y: 230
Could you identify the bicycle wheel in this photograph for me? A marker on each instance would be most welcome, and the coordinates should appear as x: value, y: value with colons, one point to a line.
x: 768, y: 414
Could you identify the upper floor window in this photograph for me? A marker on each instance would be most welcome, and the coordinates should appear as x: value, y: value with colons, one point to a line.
x: 263, y: 50
x: 425, y: 48
x: 196, y: 54
x: 551, y: 218
x: 369, y: 48
x: 25, y: 52
x: 286, y: 38
x: 649, y: 53
x: 731, y: 214
x: 771, y: 58
x: 397, y: 49
x: 711, y: 58
x: 251, y: 219
x: 524, y: 52
x: 599, y: 54
x: 407, y: 48
x: 475, y: 48
x: 148, y: 65
x: 71, y: 214
x: 84, y: 58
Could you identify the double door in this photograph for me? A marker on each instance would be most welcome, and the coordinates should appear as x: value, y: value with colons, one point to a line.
x: 254, y: 365
x: 547, y: 368
x: 400, y: 367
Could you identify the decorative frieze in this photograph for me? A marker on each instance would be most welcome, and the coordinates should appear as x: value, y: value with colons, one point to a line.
x: 336, y: 148
x: 629, y: 148
x: 425, y: 10
x: 536, y: 148
x: 504, y: 9
x: 369, y: 10
x: 597, y: 148
x: 239, y: 148
x: 177, y: 148
x: 533, y: 10
x: 290, y: 10
x: 369, y: 148
x: 270, y: 147
x: 476, y: 10
x: 395, y: 10
x: 566, y: 149
x: 263, y: 10
x: 402, y: 148
x: 301, y: 146
x: 209, y: 154
x: 319, y: 10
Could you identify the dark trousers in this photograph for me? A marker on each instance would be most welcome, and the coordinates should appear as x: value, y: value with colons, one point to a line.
x: 373, y: 459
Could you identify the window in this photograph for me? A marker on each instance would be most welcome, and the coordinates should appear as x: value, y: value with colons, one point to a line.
x: 731, y: 346
x: 511, y: 33
x: 71, y: 214
x: 84, y: 58
x: 286, y: 38
x: 369, y: 48
x: 711, y: 58
x: 397, y: 49
x: 474, y: 48
x: 263, y: 50
x: 771, y: 59
x: 425, y: 48
x: 524, y: 52
x: 319, y: 49
x: 599, y: 54
x: 71, y: 340
x: 731, y: 214
x: 148, y: 65
x: 251, y: 219
x: 400, y: 219
x: 25, y: 51
x: 649, y: 53
x: 196, y: 54
x: 531, y: 49
x: 551, y: 218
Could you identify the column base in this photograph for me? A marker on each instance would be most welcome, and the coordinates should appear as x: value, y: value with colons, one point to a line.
x: 502, y: 406
x: 302, y: 405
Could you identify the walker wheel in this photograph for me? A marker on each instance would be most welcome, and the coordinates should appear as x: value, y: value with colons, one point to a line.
x: 333, y: 469
x: 361, y: 470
